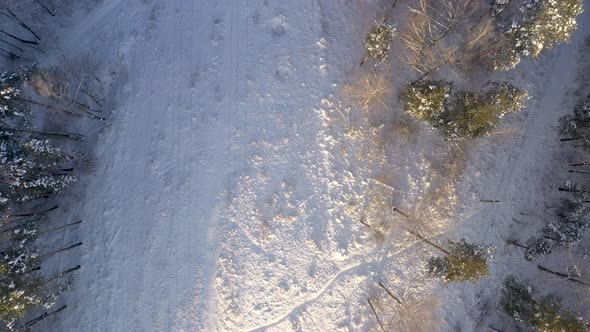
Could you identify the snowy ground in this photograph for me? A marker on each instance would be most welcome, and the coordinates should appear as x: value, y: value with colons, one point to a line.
x: 232, y: 186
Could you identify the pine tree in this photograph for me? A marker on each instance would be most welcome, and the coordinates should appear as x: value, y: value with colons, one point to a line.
x: 17, y: 297
x: 551, y: 317
x: 425, y: 100
x: 27, y: 171
x: 546, y: 315
x: 576, y: 126
x: 378, y: 42
x: 538, y: 247
x: 475, y: 115
x: 517, y: 300
x: 462, y: 114
x: 570, y: 226
x: 10, y: 86
x: 545, y: 23
x: 464, y: 262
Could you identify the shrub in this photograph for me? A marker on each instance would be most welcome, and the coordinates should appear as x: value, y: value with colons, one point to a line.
x: 538, y: 247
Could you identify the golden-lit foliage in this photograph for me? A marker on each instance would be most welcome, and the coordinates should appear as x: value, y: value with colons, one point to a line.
x: 370, y: 91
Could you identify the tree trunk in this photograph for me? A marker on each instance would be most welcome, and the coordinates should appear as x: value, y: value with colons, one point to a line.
x: 580, y: 172
x: 9, y: 55
x: 402, y: 213
x: 376, y: 316
x: 21, y: 23
x: 364, y: 60
x: 570, y: 139
x: 33, y: 269
x: 11, y: 44
x: 514, y: 243
x: 362, y: 220
x: 45, y: 105
x: 53, y: 108
x: 390, y: 293
x: 18, y: 223
x: 46, y: 314
x: 562, y: 275
x: 583, y: 163
x: 71, y: 136
x: 61, y: 274
x: 34, y: 213
x: 568, y: 190
x: 60, y: 250
x: 61, y: 227
x: 24, y: 41
x: 429, y: 242
x: 45, y: 7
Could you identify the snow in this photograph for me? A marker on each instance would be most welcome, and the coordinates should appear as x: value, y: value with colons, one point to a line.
x: 234, y: 182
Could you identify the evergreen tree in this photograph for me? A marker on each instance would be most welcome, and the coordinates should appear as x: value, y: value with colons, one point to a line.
x: 464, y: 262
x: 378, y: 42
x: 27, y: 171
x: 570, y: 226
x: 546, y: 315
x: 462, y: 114
x: 17, y: 297
x: 538, y: 247
x: 425, y: 100
x: 475, y: 115
x: 577, y: 125
x: 517, y: 300
x: 545, y: 23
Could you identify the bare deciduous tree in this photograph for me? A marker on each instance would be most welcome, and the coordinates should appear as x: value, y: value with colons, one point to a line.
x: 445, y: 32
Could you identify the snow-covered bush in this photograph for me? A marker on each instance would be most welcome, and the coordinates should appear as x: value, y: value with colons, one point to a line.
x: 577, y: 125
x: 545, y: 23
x: 570, y: 226
x: 378, y: 42
x: 564, y: 231
x: 30, y: 170
x: 465, y: 262
x: 538, y: 247
x: 425, y: 100
x: 17, y: 260
x: 10, y: 85
x: 546, y: 314
x: 572, y: 211
x: 25, y: 234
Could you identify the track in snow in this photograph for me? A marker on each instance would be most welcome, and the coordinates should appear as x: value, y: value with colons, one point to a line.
x: 162, y: 169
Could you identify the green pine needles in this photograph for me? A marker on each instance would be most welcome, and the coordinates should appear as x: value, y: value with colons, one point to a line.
x: 462, y: 114
x: 546, y: 314
x: 463, y: 262
x: 378, y: 42
x: 545, y: 23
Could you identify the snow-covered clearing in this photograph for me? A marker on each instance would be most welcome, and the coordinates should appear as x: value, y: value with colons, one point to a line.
x: 234, y: 187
